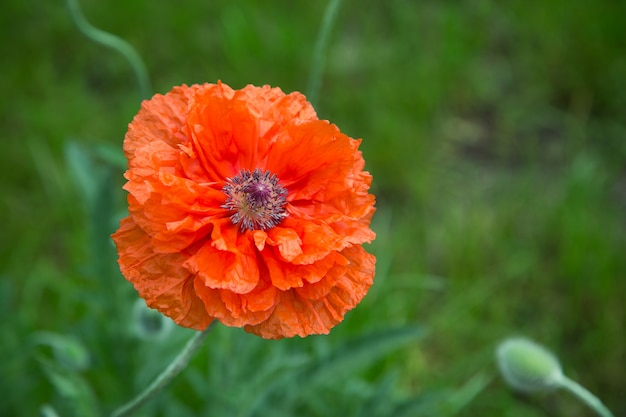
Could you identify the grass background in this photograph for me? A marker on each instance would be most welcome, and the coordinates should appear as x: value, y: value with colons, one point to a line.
x: 496, y: 134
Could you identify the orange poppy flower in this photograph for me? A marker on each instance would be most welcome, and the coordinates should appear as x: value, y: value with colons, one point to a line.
x: 245, y: 208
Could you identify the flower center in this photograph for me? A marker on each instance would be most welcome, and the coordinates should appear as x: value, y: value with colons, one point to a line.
x: 256, y: 199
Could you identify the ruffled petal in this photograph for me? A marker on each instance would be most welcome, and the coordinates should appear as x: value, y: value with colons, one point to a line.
x: 227, y: 262
x: 159, y: 278
x: 237, y: 310
x: 286, y: 276
x: 300, y: 241
x: 299, y: 273
x: 316, y: 309
x: 160, y: 119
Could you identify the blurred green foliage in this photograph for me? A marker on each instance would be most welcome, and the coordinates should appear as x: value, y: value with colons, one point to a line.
x: 496, y: 134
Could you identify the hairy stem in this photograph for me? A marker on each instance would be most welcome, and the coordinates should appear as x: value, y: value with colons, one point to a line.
x: 174, y: 368
x: 587, y: 397
x: 319, y: 55
x: 114, y: 42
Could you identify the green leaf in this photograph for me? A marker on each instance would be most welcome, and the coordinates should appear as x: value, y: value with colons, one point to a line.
x: 447, y: 402
x: 360, y: 352
x: 112, y: 155
x: 72, y: 387
x: 67, y: 351
x: 380, y: 401
x: 466, y: 394
x: 347, y: 358
x: 425, y: 404
x: 47, y: 410
x: 83, y: 170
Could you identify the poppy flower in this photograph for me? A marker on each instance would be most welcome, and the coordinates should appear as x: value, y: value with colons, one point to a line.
x: 245, y: 208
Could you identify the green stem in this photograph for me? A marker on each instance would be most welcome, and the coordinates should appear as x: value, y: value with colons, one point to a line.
x: 586, y: 396
x: 319, y: 55
x: 174, y: 368
x: 114, y: 42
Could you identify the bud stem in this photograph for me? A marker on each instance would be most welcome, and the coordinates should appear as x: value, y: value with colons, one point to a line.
x: 319, y: 54
x: 174, y: 368
x: 587, y: 397
x: 114, y: 42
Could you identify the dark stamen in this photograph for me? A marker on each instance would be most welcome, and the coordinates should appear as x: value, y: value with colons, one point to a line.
x: 256, y: 198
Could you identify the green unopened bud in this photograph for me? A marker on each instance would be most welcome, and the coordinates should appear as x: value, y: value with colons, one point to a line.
x: 527, y: 366
x: 149, y: 323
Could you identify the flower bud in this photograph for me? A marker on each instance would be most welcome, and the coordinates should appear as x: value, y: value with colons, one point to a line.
x: 149, y: 323
x: 527, y: 366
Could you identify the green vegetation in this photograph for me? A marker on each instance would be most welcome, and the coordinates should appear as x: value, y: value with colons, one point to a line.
x: 496, y: 134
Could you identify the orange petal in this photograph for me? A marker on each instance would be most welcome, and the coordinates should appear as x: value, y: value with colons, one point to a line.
x: 286, y: 276
x: 179, y: 247
x: 303, y: 242
x: 296, y: 314
x: 237, y: 310
x: 159, y: 278
x: 286, y: 240
x: 159, y: 120
x: 235, y: 269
